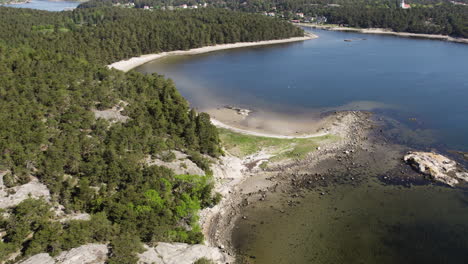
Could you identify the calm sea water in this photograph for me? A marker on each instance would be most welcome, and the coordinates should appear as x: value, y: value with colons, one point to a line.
x: 421, y: 83
x: 365, y: 224
x: 48, y: 5
x: 424, y: 83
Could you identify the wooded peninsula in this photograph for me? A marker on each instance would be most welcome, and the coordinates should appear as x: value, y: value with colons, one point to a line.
x: 417, y: 16
x: 53, y: 83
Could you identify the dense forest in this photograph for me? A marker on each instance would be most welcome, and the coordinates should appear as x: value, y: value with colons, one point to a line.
x: 53, y: 75
x: 424, y: 16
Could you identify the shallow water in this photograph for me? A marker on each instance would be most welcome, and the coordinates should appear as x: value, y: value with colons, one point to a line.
x: 407, y: 78
x: 47, y: 5
x: 368, y: 223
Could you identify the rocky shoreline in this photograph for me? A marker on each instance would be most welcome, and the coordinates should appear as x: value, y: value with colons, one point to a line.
x: 243, y: 181
x: 362, y: 150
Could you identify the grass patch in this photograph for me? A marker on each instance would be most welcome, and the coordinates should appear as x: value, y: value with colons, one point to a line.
x: 243, y: 145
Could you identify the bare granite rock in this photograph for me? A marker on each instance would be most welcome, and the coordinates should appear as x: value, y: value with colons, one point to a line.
x: 114, y: 114
x: 181, y: 253
x: 180, y: 165
x: 89, y: 254
x: 3, y: 173
x: 438, y: 167
x: 10, y: 197
x: 163, y: 253
x: 86, y: 254
x: 76, y: 216
x: 42, y: 258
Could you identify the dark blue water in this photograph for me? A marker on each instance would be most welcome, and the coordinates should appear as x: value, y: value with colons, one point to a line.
x: 417, y: 79
x: 48, y: 5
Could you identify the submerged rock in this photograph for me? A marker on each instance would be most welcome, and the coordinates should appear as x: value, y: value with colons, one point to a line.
x: 438, y: 167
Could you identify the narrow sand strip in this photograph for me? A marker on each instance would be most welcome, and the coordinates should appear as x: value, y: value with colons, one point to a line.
x: 259, y: 134
x: 383, y: 31
x: 126, y: 65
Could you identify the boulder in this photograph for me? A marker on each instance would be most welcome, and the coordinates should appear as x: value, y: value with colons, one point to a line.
x: 436, y: 166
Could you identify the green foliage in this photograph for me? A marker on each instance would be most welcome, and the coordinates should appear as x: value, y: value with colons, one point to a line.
x: 243, y: 145
x: 53, y: 75
x: 32, y: 228
x: 204, y: 261
x: 168, y: 156
x: 425, y: 16
x: 200, y: 161
x: 124, y: 248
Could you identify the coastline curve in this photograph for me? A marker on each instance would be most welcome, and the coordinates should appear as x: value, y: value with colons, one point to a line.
x: 127, y: 65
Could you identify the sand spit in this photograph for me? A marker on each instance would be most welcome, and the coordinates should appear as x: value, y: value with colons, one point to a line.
x: 239, y: 181
x: 260, y: 134
x: 384, y: 31
x: 273, y: 124
x: 126, y: 65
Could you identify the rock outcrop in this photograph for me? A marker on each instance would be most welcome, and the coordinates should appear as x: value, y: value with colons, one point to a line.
x: 10, y: 197
x: 114, y: 114
x: 163, y: 253
x: 42, y: 258
x: 180, y: 165
x: 438, y: 167
x: 181, y: 253
x: 86, y: 254
x: 90, y: 253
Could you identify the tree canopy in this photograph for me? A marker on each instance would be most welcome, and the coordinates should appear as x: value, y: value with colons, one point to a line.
x: 53, y: 77
x: 424, y: 16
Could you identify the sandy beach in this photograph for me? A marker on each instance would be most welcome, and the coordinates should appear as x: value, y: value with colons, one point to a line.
x: 260, y: 134
x: 270, y: 124
x: 383, y: 31
x: 126, y: 65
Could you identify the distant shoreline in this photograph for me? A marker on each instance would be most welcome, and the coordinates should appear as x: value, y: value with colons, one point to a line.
x: 16, y: 3
x: 383, y: 31
x: 126, y: 65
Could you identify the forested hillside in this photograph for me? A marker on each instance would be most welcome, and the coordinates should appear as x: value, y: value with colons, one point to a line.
x: 53, y: 75
x: 105, y: 35
x: 424, y: 16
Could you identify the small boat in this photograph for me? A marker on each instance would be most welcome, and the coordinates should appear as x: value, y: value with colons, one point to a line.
x: 348, y: 40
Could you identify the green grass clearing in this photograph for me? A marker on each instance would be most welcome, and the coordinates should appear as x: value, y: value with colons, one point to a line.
x: 242, y: 145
